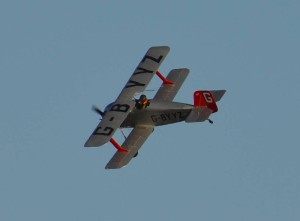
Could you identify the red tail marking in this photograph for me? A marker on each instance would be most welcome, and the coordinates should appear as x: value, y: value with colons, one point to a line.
x: 117, y: 145
x: 165, y: 80
x: 205, y: 99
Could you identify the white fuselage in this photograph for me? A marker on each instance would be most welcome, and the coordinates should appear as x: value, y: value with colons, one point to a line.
x: 158, y: 113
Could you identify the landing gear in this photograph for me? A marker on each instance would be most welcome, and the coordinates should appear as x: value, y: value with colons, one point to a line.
x: 135, y: 155
x: 210, y: 121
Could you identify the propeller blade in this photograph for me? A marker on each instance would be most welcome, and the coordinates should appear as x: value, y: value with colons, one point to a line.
x: 97, y: 110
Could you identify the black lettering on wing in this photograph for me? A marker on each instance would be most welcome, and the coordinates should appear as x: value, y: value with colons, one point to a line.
x: 106, y: 131
x: 140, y: 70
x: 120, y: 107
x: 132, y: 83
x: 157, y: 60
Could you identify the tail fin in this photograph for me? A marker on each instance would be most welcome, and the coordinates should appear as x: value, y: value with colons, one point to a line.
x: 205, y: 99
x: 205, y: 105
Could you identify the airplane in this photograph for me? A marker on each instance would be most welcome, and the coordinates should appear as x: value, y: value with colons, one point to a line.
x: 143, y: 114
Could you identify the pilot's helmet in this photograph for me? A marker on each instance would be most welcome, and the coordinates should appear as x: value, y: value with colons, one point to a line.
x: 143, y: 97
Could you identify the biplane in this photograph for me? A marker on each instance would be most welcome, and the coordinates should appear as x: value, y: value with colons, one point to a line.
x: 144, y: 114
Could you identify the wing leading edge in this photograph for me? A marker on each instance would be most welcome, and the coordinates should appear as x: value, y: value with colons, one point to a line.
x: 134, y: 141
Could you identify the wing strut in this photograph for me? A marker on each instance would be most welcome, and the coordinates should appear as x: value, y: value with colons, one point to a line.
x: 117, y: 145
x: 165, y: 80
x: 167, y: 92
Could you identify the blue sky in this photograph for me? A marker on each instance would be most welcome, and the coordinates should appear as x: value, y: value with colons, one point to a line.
x: 58, y: 58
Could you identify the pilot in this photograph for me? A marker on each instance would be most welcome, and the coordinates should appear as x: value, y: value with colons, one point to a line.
x: 142, y: 102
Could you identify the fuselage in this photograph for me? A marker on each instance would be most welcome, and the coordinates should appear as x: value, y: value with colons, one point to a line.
x: 157, y: 114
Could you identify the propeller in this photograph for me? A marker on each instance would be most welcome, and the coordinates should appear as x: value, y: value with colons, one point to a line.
x: 101, y: 113
x: 97, y: 110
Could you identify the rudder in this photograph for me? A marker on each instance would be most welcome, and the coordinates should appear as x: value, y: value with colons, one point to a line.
x: 205, y: 99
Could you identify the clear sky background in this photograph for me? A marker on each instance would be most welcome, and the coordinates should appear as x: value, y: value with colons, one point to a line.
x: 58, y: 58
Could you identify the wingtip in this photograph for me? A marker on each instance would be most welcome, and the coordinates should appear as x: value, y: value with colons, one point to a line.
x: 113, y: 167
x: 167, y: 48
x: 88, y: 144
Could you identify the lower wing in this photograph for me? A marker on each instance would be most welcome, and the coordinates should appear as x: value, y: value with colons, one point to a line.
x: 167, y: 92
x: 134, y: 141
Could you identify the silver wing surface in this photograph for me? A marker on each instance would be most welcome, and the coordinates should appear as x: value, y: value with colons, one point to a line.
x: 143, y: 73
x: 124, y: 104
x: 167, y: 92
x: 134, y: 141
x: 109, y: 124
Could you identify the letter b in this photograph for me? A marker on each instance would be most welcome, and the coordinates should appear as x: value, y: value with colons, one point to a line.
x: 120, y: 107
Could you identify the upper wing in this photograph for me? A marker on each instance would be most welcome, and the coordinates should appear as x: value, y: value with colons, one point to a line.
x: 133, y: 143
x: 143, y: 73
x: 110, y: 123
x: 167, y: 92
x: 123, y: 104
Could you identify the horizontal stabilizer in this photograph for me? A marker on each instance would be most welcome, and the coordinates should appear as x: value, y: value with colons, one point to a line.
x: 217, y: 94
x: 198, y: 114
